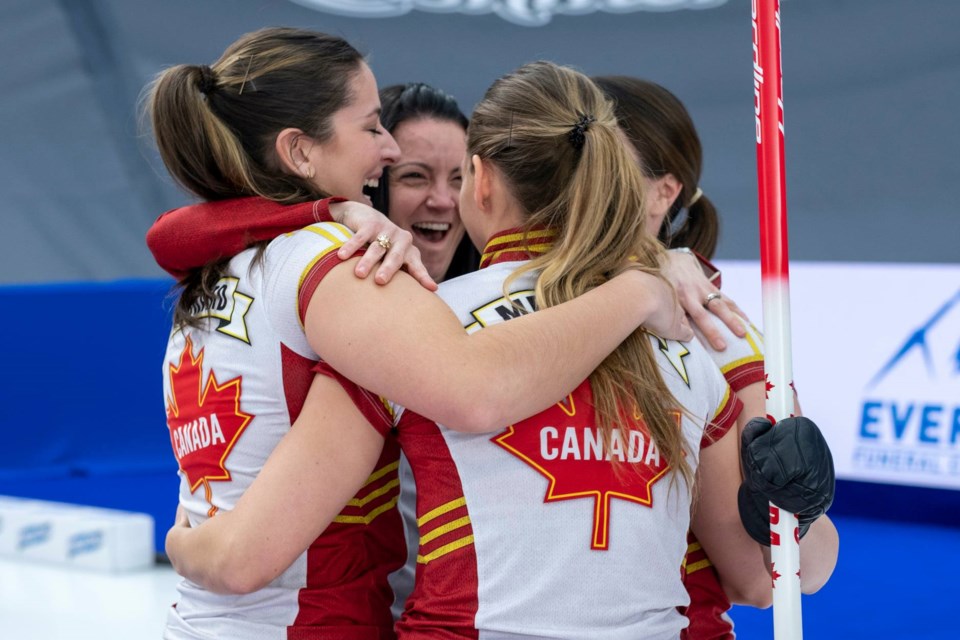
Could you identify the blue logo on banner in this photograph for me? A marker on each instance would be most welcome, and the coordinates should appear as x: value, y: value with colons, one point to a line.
x: 911, y: 423
x: 918, y: 342
x: 34, y: 534
x: 85, y: 542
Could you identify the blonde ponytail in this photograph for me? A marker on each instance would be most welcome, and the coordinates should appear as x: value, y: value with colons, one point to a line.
x: 591, y: 195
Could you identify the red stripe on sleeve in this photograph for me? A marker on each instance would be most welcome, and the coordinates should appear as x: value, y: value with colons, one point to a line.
x: 369, y: 404
x: 745, y: 375
x: 313, y: 278
x: 725, y: 420
x: 190, y: 237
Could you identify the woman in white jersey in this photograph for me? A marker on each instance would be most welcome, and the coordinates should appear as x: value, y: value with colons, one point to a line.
x: 570, y: 524
x: 287, y: 115
x: 683, y: 217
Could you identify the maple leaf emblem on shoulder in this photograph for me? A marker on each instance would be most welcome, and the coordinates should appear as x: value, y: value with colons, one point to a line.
x: 204, y: 418
x: 564, y: 445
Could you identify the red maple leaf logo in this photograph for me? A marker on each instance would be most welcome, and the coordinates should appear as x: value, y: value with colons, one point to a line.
x: 774, y: 574
x: 205, y: 420
x: 563, y: 444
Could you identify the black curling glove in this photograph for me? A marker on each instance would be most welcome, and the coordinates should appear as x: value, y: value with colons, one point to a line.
x: 789, y: 465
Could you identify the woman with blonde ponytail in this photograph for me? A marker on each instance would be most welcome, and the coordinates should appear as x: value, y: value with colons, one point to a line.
x: 571, y: 523
x: 264, y: 342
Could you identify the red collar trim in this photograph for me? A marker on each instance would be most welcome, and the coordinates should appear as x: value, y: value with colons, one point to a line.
x: 516, y: 244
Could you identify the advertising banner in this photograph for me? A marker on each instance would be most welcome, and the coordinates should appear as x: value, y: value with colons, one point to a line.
x: 522, y: 12
x: 876, y: 353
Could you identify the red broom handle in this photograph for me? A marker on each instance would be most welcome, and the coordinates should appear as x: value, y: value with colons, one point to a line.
x: 775, y: 274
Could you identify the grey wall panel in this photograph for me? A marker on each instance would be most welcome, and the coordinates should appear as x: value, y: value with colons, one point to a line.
x: 870, y: 93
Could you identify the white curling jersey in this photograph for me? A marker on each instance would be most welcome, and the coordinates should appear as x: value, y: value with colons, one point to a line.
x: 233, y: 387
x: 532, y: 532
x: 742, y: 361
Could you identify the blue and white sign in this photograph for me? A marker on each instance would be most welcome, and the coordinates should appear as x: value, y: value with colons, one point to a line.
x: 876, y: 352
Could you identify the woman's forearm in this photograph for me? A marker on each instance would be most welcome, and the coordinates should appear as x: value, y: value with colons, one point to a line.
x: 203, y: 555
x: 316, y: 468
x: 405, y: 344
x: 818, y: 554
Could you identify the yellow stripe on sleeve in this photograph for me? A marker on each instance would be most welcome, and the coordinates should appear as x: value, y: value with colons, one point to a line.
x: 359, y: 502
x: 445, y: 549
x: 369, y: 517
x: 442, y: 509
x: 439, y: 531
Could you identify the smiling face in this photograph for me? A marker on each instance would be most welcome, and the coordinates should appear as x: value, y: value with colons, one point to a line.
x: 425, y: 188
x: 359, y: 147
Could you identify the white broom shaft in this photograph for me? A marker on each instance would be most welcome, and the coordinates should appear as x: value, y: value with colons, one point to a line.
x: 768, y: 108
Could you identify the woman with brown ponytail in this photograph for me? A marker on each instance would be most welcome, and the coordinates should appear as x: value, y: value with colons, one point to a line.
x: 679, y: 213
x: 291, y: 116
x: 571, y: 523
x: 663, y: 135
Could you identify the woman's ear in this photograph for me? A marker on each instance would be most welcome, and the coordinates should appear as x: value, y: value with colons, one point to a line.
x: 293, y: 149
x: 481, y: 183
x: 666, y: 189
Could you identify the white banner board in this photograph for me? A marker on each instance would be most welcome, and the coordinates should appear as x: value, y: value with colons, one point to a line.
x: 522, y: 12
x: 876, y: 361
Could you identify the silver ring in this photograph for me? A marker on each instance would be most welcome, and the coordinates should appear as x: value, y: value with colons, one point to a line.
x: 711, y: 297
x: 384, y: 241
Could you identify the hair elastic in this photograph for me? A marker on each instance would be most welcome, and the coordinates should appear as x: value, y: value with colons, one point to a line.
x: 207, y: 83
x: 696, y: 196
x: 577, y: 135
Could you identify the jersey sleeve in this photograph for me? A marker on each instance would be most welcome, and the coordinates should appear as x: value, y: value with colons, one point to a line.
x: 724, y: 419
x: 293, y: 266
x: 374, y: 408
x: 742, y: 361
x: 314, y: 272
x: 190, y: 237
x: 709, y: 269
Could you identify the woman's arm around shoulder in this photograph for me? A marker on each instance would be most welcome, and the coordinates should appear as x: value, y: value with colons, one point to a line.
x: 700, y: 296
x: 405, y: 344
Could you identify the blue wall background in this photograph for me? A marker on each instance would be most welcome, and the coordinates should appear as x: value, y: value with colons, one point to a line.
x: 82, y: 411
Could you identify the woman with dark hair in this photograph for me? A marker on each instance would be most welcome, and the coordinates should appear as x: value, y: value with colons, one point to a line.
x: 679, y: 213
x: 420, y: 192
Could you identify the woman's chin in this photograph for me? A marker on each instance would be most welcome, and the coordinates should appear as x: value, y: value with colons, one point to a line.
x: 436, y: 265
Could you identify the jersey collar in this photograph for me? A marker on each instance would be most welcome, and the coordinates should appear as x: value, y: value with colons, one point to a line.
x: 511, y: 245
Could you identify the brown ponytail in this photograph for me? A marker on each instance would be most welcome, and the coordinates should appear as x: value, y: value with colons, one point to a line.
x: 699, y: 230
x: 662, y: 132
x: 216, y: 126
